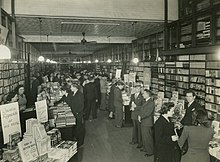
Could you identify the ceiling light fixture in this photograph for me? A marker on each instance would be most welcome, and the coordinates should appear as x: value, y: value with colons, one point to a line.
x: 5, y: 52
x: 96, y: 61
x: 88, y: 23
x: 41, y: 58
x: 135, y: 60
x: 109, y: 61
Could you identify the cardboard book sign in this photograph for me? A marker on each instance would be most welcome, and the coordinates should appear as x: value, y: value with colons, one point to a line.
x: 118, y: 73
x: 10, y: 120
x: 28, y: 150
x: 41, y: 110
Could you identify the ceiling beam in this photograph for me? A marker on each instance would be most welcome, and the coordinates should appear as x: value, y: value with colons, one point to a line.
x: 63, y: 53
x: 76, y: 39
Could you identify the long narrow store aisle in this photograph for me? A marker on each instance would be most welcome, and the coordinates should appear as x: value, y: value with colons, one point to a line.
x: 106, y: 143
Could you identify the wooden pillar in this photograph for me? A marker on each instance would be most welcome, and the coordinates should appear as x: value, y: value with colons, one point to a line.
x: 166, y: 24
x: 13, y: 24
x: 28, y: 83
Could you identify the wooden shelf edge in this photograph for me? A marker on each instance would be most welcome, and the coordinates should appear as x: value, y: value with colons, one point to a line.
x: 194, y: 51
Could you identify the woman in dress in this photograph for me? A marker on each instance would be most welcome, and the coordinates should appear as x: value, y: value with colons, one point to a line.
x: 198, y: 137
x: 166, y: 146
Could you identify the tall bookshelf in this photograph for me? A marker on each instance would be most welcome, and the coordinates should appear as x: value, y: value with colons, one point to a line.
x: 11, y: 75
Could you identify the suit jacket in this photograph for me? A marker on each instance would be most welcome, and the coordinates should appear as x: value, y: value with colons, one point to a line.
x: 111, y: 97
x: 139, y: 101
x: 118, y: 101
x: 188, y: 118
x: 147, y: 113
x: 67, y: 99
x: 77, y: 104
x: 90, y: 92
x: 198, y: 140
x: 164, y: 146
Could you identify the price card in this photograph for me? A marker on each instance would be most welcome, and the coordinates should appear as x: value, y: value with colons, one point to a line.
x: 10, y: 120
x: 41, y: 110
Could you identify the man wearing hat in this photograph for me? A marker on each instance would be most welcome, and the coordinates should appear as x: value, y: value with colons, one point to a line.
x: 146, y: 118
x: 136, y: 102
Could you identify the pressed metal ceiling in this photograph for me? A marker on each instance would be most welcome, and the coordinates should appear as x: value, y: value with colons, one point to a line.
x: 59, y: 35
x: 75, y: 27
x: 69, y: 48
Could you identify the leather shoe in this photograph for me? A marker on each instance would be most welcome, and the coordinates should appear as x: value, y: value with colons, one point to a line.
x: 142, y: 150
x: 139, y: 146
x: 132, y: 143
x: 148, y: 155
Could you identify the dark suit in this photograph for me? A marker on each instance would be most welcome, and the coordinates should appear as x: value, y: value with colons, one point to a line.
x: 188, y: 118
x: 147, y: 121
x: 90, y: 93
x: 97, y: 84
x: 118, y: 105
x: 165, y: 149
x: 76, y: 103
x: 111, y: 99
x: 136, y: 134
x: 77, y: 107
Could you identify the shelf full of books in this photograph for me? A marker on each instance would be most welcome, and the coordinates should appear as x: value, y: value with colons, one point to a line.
x: 201, y: 73
x: 11, y: 75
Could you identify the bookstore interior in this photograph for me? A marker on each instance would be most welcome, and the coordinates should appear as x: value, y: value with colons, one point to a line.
x: 151, y: 67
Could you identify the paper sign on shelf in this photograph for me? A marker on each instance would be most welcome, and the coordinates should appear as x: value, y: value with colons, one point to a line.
x: 147, y: 76
x: 10, y: 120
x: 41, y: 110
x: 118, y: 73
x: 28, y: 150
x: 126, y: 78
x: 132, y: 77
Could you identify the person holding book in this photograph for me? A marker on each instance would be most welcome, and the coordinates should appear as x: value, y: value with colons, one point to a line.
x: 166, y: 146
x: 77, y: 107
x: 136, y: 102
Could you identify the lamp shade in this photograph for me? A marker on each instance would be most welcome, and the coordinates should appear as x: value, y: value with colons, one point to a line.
x: 48, y: 60
x: 109, y: 61
x: 41, y: 58
x: 135, y: 60
x: 5, y: 52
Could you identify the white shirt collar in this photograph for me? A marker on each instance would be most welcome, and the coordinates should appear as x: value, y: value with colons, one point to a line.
x: 147, y: 98
x: 190, y: 103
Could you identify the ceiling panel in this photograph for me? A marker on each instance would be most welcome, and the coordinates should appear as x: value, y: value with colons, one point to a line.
x: 75, y: 27
x: 65, y: 48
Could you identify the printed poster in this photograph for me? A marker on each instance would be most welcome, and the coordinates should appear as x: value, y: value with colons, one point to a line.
x: 126, y: 78
x: 10, y: 120
x: 118, y: 73
x: 132, y: 77
x: 41, y: 111
x: 28, y: 150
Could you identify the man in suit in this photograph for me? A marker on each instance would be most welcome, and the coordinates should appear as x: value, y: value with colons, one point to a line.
x: 118, y: 104
x: 191, y: 107
x: 77, y: 106
x: 97, y: 83
x: 146, y: 118
x: 91, y: 98
x: 136, y: 102
x: 111, y: 100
